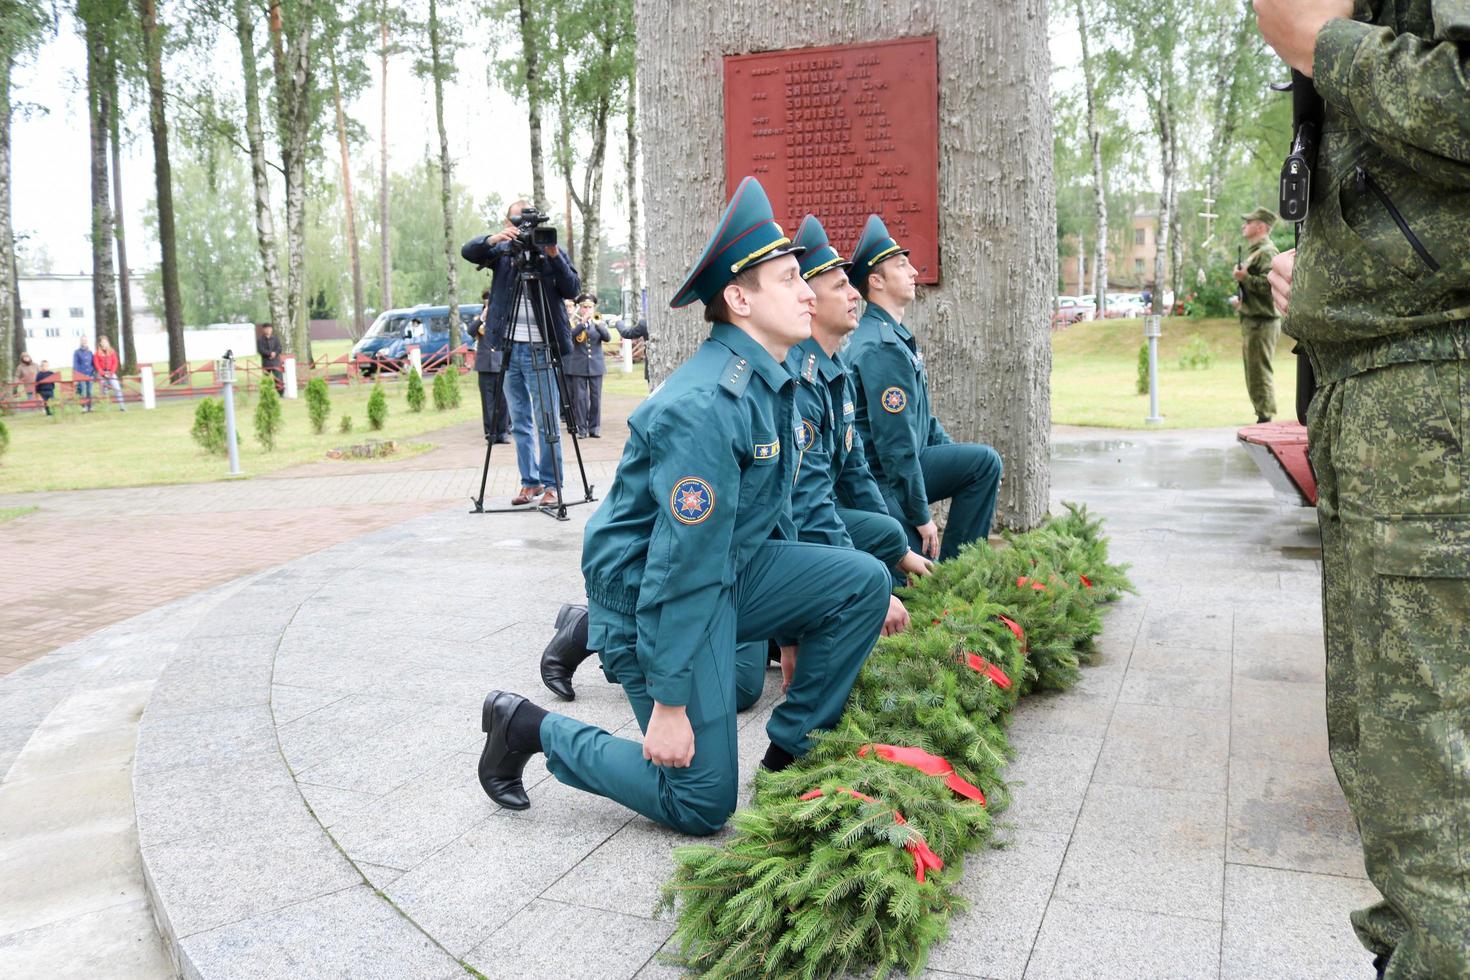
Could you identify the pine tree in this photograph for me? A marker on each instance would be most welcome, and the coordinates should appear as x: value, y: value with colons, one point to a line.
x: 415, y: 392
x: 268, y: 417
x: 377, y: 407
x: 318, y: 404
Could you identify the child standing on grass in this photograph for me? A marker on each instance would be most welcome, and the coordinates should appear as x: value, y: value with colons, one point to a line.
x: 46, y: 385
x: 83, y: 370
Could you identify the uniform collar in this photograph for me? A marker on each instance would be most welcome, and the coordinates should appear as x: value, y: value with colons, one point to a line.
x: 743, y: 345
x: 828, y: 367
x: 887, y: 324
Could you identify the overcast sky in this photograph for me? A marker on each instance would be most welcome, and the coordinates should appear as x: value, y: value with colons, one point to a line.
x: 488, y: 139
x: 488, y: 133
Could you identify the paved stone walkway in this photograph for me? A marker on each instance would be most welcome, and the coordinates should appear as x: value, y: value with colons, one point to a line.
x: 87, y: 559
x: 306, y: 803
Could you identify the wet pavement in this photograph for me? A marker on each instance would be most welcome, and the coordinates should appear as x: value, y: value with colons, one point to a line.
x: 306, y: 800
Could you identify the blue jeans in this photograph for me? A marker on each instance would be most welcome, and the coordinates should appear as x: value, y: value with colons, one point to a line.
x: 530, y: 392
x: 84, y: 390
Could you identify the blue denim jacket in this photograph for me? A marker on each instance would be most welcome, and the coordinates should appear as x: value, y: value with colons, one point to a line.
x: 557, y: 274
x: 81, y: 364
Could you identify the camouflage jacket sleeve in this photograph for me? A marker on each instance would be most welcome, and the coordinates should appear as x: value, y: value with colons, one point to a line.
x: 1410, y: 94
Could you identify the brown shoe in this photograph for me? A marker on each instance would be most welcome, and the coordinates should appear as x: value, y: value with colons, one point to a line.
x: 525, y: 496
x: 548, y: 499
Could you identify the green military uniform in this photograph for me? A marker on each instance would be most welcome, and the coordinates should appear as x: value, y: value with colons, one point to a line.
x: 1260, y: 326
x: 1381, y: 305
x: 694, y: 550
x: 912, y: 457
x: 835, y: 499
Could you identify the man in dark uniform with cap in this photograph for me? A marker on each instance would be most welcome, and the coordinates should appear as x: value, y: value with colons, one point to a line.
x: 912, y: 457
x: 1259, y: 324
x: 586, y: 365
x: 694, y: 550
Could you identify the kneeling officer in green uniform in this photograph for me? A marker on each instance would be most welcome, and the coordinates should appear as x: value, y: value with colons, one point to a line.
x: 913, y: 458
x: 694, y: 550
x: 835, y: 499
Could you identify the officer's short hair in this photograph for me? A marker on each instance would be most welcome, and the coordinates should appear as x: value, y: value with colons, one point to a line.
x: 717, y: 310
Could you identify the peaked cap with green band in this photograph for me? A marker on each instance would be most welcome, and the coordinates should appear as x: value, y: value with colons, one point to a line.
x: 819, y: 255
x: 873, y: 246
x: 747, y: 235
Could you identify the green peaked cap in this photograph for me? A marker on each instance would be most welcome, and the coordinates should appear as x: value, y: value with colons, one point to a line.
x: 819, y: 255
x: 873, y: 246
x: 747, y: 235
x: 1262, y: 214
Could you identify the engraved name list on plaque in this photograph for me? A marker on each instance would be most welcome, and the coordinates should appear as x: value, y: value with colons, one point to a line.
x: 842, y: 132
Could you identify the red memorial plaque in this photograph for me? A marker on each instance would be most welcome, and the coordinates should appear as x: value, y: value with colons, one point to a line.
x: 842, y: 133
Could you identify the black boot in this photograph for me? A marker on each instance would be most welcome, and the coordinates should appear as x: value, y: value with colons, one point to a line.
x: 567, y: 649
x: 500, y: 764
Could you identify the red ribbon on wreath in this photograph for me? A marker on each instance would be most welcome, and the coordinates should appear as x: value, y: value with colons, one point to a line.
x: 929, y: 765
x: 918, y: 848
x: 1023, y: 581
x: 1086, y: 582
x: 1015, y: 628
x: 980, y: 665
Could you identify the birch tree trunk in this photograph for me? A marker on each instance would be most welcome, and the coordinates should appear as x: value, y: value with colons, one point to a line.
x: 532, y: 58
x: 12, y: 335
x: 265, y: 224
x: 173, y: 315
x: 1099, y: 179
x: 359, y: 327
x: 1234, y: 40
x: 446, y: 176
x: 635, y: 190
x: 124, y: 275
x: 985, y: 327
x: 99, y: 112
x: 1164, y: 128
x: 291, y: 54
x: 385, y: 237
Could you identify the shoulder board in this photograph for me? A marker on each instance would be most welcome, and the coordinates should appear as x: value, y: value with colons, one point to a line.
x: 809, y: 368
x: 735, y: 376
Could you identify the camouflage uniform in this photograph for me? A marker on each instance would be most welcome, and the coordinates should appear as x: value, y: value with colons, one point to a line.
x: 1259, y: 324
x: 1381, y: 304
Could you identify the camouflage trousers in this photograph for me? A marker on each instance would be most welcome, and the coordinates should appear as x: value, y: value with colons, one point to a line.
x: 1388, y: 447
x: 1258, y: 337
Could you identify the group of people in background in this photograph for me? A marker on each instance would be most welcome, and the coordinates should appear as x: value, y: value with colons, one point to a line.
x: 89, y: 369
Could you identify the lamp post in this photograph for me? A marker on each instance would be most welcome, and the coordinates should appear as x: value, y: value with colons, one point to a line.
x: 225, y: 369
x: 1152, y: 330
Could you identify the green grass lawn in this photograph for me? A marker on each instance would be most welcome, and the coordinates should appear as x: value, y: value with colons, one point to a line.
x: 110, y: 449
x: 1095, y: 367
x: 11, y: 513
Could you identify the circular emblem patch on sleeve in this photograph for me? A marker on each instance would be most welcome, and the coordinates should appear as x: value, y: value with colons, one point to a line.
x: 894, y: 400
x: 806, y: 435
x: 848, y: 437
x: 692, y: 500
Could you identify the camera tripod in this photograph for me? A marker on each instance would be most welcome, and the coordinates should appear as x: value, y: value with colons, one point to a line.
x: 546, y: 372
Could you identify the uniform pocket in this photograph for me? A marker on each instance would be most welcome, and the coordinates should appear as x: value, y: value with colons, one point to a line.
x: 1423, y: 547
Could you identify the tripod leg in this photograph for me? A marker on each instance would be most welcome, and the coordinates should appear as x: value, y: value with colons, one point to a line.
x: 496, y: 380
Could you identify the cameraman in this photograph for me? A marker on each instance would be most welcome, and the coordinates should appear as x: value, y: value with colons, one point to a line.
x: 1378, y: 296
x: 527, y: 386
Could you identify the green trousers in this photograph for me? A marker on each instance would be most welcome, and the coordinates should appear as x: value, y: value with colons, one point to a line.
x: 968, y: 476
x: 832, y: 600
x: 1258, y: 337
x: 879, y: 535
x: 1388, y: 447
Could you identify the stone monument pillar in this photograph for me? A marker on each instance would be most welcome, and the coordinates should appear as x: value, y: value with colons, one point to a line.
x: 986, y: 233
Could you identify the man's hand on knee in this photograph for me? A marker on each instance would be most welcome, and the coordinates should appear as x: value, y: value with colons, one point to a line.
x: 928, y: 538
x: 897, y: 619
x: 670, y: 738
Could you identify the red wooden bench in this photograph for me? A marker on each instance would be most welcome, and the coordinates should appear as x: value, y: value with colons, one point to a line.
x: 1279, y: 449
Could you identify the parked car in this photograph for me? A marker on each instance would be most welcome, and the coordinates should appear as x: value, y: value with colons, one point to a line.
x: 1070, y: 309
x: 1125, y: 305
x: 386, y: 341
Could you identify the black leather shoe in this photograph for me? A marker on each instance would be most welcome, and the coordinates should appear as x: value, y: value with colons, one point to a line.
x: 500, y: 768
x: 567, y: 650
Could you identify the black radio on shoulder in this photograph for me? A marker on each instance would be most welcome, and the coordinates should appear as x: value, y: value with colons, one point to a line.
x: 1296, y: 172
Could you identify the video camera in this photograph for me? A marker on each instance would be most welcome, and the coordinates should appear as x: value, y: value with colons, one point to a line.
x: 530, y: 239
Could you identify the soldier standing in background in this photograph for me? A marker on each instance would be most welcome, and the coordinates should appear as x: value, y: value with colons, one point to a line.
x: 1259, y: 324
x: 1378, y: 296
x: 586, y: 365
